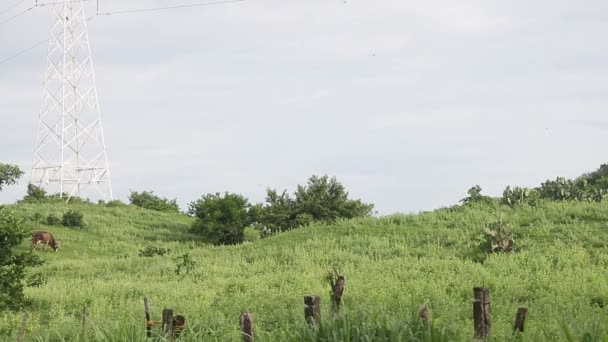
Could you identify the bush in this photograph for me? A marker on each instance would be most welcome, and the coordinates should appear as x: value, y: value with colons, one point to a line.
x: 115, y: 204
x: 13, y: 265
x: 475, y: 197
x: 221, y: 219
x: 73, y: 219
x: 151, y: 251
x: 517, y: 196
x: 52, y: 220
x: 34, y: 194
x: 184, y: 262
x: 321, y: 199
x: 150, y: 201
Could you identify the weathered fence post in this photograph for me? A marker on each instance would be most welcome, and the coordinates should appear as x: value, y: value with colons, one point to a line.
x: 22, y: 329
x: 520, y: 319
x: 148, y: 319
x: 312, y: 309
x: 247, y: 327
x: 424, y: 315
x: 481, y: 312
x: 168, y: 322
x: 179, y: 322
x: 84, y: 322
x: 337, y: 287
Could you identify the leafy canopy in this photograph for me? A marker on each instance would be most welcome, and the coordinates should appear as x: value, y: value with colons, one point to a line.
x: 147, y: 200
x: 13, y: 265
x: 221, y: 219
x: 9, y: 174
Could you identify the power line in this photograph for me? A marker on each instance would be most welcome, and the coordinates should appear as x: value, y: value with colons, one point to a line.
x: 170, y: 7
x: 13, y: 5
x: 18, y: 14
x: 39, y: 5
x: 23, y: 51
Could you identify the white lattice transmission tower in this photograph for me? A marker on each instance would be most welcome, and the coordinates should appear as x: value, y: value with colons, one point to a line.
x: 69, y: 154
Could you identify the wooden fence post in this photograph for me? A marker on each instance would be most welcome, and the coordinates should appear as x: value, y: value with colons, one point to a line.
x: 337, y: 287
x: 22, y: 329
x: 247, y: 327
x: 168, y: 322
x: 424, y: 315
x: 179, y: 322
x: 312, y: 309
x: 84, y: 322
x: 520, y: 319
x: 147, y: 310
x: 481, y: 312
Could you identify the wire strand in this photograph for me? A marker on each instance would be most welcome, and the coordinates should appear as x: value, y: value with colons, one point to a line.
x: 18, y: 14
x: 11, y: 6
x: 23, y: 51
x: 170, y: 7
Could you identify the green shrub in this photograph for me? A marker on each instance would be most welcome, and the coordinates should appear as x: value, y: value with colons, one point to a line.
x: 115, y: 204
x: 148, y: 200
x: 517, y: 196
x: 184, y: 262
x: 52, y: 220
x: 221, y: 219
x: 252, y: 234
x: 34, y: 194
x: 151, y: 251
x: 321, y: 199
x: 14, y: 265
x: 73, y: 219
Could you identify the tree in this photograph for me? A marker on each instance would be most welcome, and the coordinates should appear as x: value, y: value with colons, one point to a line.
x: 34, y: 193
x: 326, y: 199
x: 13, y: 265
x: 222, y: 219
x: 321, y: 199
x: 9, y: 174
x: 475, y: 196
x: 147, y: 200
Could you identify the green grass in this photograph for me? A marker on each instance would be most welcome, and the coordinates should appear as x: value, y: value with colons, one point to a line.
x: 393, y: 266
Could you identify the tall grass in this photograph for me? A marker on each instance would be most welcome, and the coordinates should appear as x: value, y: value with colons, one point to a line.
x: 392, y: 266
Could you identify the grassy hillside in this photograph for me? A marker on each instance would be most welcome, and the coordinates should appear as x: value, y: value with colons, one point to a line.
x: 392, y: 265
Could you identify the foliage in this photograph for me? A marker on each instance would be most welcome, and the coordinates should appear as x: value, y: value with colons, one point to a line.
x: 151, y: 251
x: 13, y: 265
x: 322, y: 199
x: 518, y: 196
x: 147, y: 200
x: 34, y: 194
x: 497, y: 239
x: 221, y: 219
x: 9, y: 174
x: 115, y: 204
x: 476, y: 197
x: 185, y: 263
x: 52, y: 220
x: 73, y: 219
x: 562, y: 256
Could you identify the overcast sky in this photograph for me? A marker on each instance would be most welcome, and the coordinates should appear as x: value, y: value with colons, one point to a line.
x: 408, y: 103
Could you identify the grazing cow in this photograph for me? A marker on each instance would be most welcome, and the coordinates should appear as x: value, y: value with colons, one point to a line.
x: 45, y: 238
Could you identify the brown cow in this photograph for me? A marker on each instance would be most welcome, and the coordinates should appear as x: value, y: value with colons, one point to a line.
x: 45, y: 238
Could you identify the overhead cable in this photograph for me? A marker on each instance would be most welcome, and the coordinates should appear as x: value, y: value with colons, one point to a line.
x: 23, y: 51
x: 170, y: 7
x: 11, y: 6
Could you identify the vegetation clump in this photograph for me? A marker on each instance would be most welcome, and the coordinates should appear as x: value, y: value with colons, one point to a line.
x: 13, y: 265
x: 148, y: 200
x: 221, y: 218
x: 151, y: 251
x: 53, y: 220
x: 73, y: 219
